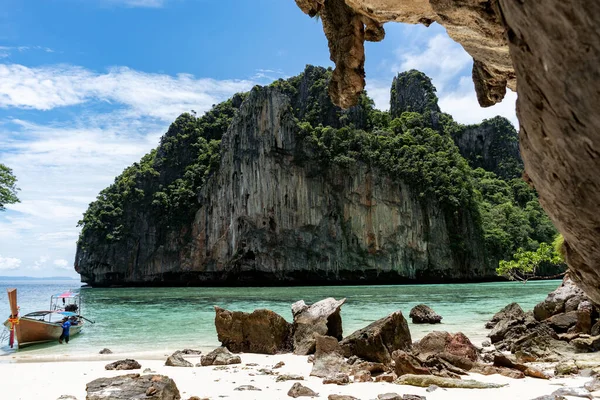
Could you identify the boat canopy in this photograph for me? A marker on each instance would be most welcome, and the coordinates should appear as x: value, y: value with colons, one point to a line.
x: 44, y: 313
x: 66, y: 295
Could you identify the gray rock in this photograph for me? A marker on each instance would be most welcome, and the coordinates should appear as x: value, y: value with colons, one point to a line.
x: 593, y: 385
x: 298, y: 390
x: 176, y: 360
x: 341, y: 397
x: 123, y: 365
x: 67, y: 397
x: 105, y: 351
x: 556, y: 302
x: 337, y: 379
x: 563, y: 321
x: 220, y: 356
x: 328, y: 358
x: 428, y: 380
x: 413, y: 397
x: 246, y: 387
x: 389, y: 396
x: 432, y: 388
x: 133, y: 386
x: 513, y: 311
x: 486, y: 343
x: 422, y: 314
x: 289, y: 377
x: 379, y: 340
x: 586, y: 344
x: 322, y: 318
x: 575, y: 392
x: 191, y: 352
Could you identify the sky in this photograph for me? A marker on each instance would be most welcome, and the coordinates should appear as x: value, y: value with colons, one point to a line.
x: 87, y: 87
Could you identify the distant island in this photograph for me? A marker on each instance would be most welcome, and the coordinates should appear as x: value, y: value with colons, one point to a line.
x: 36, y: 278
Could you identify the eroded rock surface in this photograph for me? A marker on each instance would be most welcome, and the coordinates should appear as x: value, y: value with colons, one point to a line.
x: 320, y: 318
x: 262, y: 331
x: 123, y: 365
x: 133, y: 386
x: 422, y: 314
x: 379, y: 340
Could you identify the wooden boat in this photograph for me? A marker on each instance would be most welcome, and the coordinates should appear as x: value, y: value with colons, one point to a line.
x: 44, y: 326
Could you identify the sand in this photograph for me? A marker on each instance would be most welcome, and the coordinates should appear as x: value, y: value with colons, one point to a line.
x: 27, y: 379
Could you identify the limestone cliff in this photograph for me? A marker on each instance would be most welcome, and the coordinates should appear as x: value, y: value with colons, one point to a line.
x: 270, y: 209
x: 492, y: 145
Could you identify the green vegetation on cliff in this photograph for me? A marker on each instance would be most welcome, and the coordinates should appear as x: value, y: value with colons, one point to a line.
x: 164, y: 185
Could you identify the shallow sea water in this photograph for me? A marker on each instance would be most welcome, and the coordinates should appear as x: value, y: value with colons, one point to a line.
x: 161, y: 320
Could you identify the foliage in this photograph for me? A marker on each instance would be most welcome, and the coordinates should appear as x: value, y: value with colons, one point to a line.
x: 511, y: 215
x: 165, y: 183
x: 8, y: 187
x: 526, y: 264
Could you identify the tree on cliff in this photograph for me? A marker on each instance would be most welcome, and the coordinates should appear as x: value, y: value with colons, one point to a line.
x: 8, y: 187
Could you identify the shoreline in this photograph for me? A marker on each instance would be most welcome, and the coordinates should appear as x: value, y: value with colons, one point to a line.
x: 52, y: 379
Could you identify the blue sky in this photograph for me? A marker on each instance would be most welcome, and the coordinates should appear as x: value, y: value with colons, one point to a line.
x: 88, y: 86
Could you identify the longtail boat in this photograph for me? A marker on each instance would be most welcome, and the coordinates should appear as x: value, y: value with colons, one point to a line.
x: 43, y: 326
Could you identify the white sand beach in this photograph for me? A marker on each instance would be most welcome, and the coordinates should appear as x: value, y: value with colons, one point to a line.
x: 27, y: 379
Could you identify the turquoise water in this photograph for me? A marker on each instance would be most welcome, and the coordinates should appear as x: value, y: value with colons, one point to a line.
x: 167, y: 319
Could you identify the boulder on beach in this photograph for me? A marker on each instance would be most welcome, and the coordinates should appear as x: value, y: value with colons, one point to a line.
x: 299, y: 390
x: 322, y: 318
x: 123, y: 365
x: 176, y: 360
x: 220, y: 356
x: 133, y: 386
x: 261, y: 331
x: 379, y: 340
x: 105, y: 351
x: 564, y: 299
x: 438, y: 342
x: 422, y: 314
x: 328, y: 358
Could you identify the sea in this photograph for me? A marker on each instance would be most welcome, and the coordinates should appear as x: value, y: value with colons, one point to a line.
x: 158, y: 321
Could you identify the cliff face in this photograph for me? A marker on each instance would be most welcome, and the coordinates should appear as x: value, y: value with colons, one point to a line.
x: 272, y: 213
x: 492, y: 145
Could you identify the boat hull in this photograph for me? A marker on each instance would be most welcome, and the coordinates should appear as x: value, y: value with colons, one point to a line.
x: 31, y: 331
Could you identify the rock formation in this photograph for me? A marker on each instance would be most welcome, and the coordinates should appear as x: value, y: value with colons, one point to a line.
x: 322, y: 318
x: 552, y: 48
x: 261, y: 331
x: 220, y: 356
x: 379, y: 340
x: 422, y: 314
x: 133, y: 386
x: 272, y: 209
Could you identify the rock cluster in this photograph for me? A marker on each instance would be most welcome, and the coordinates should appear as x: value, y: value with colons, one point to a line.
x: 565, y: 322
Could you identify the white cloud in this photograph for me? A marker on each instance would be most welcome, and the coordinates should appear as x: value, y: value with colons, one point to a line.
x: 431, y: 51
x: 9, y: 263
x: 442, y: 59
x: 146, y: 94
x: 62, y: 163
x: 61, y: 264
